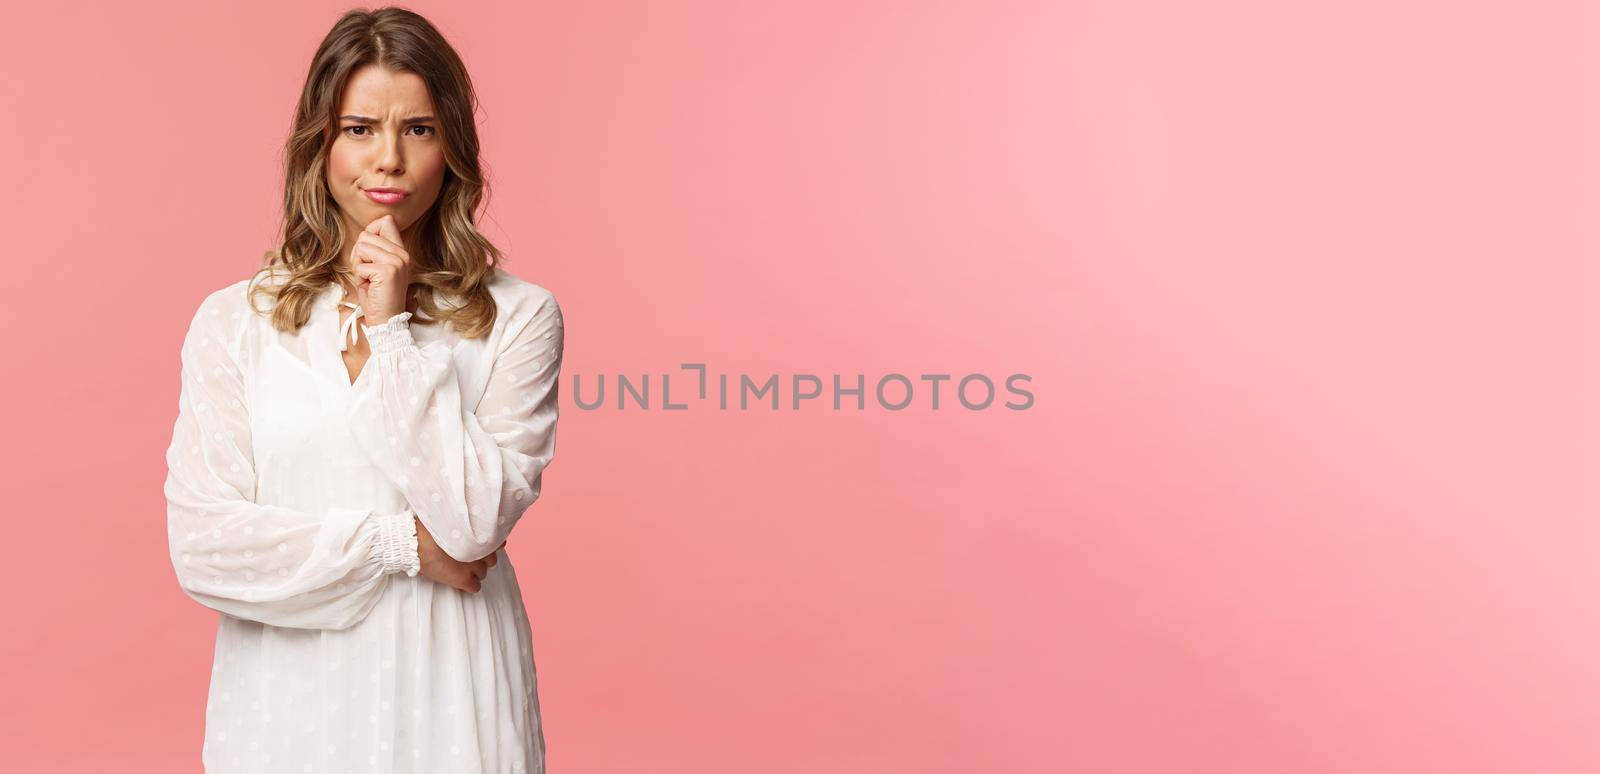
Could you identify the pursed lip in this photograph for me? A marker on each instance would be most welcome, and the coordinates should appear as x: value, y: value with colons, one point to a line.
x: 402, y: 192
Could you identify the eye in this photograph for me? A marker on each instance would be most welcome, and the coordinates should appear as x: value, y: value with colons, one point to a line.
x: 428, y: 129
x: 357, y: 126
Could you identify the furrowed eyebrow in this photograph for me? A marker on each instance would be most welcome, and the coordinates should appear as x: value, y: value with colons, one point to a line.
x: 371, y: 120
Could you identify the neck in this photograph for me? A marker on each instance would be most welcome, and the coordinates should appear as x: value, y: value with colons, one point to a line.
x: 408, y: 238
x: 351, y: 296
x: 354, y: 231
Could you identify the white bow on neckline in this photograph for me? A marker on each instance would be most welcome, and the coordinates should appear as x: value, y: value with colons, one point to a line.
x: 349, y: 327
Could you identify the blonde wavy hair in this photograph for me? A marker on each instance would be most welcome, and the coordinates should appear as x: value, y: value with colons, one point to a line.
x: 452, y: 257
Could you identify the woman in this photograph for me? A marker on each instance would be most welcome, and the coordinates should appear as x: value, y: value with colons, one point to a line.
x: 360, y: 427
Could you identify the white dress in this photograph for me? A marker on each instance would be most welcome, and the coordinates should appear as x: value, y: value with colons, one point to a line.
x: 290, y: 496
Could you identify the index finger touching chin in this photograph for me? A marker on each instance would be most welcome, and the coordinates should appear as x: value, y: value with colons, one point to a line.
x: 386, y: 227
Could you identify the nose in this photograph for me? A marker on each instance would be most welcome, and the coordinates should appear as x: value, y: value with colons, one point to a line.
x: 389, y: 160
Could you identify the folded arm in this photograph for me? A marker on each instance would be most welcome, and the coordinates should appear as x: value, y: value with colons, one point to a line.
x: 469, y: 472
x: 267, y: 563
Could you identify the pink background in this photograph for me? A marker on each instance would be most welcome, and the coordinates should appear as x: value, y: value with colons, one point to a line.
x: 1300, y: 287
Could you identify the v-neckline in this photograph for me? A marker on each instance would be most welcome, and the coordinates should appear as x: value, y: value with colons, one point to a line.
x: 331, y: 332
x: 353, y: 320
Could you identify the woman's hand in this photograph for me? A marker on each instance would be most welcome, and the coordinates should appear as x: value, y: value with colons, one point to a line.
x: 380, y: 260
x: 440, y: 566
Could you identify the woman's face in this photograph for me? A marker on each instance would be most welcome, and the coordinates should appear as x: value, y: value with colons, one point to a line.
x: 387, y: 138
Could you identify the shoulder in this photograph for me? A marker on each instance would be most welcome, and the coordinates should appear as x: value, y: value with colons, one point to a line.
x: 224, y: 305
x: 225, y: 300
x: 222, y: 314
x: 527, y: 315
x: 518, y: 298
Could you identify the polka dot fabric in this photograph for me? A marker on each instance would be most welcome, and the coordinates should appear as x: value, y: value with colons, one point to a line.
x: 292, y: 495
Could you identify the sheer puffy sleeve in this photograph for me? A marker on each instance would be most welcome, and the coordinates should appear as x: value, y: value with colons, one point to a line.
x: 279, y: 566
x: 469, y: 472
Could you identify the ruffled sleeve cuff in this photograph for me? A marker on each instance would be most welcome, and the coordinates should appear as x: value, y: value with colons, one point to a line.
x: 390, y: 336
x: 397, y: 543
